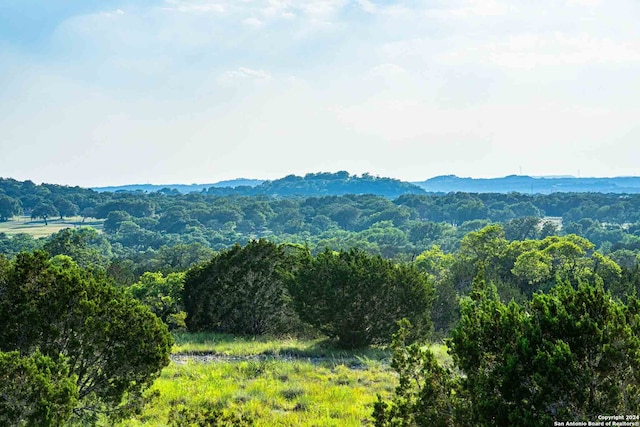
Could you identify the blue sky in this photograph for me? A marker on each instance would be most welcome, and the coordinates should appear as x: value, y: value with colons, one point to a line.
x: 183, y: 91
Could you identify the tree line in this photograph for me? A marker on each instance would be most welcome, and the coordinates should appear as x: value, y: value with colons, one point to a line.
x: 142, y: 229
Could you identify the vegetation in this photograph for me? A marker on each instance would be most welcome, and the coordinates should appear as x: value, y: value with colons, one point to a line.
x: 270, y: 381
x: 358, y: 298
x: 571, y: 354
x: 110, y: 345
x: 163, y: 295
x: 241, y: 290
x: 138, y: 224
x: 35, y: 390
x: 534, y: 296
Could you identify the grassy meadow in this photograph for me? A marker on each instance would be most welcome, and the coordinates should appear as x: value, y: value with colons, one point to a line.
x: 37, y: 228
x: 275, y: 382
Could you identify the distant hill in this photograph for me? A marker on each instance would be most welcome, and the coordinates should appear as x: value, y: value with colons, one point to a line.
x: 312, y: 184
x: 339, y: 183
x: 181, y: 188
x: 530, y: 185
x: 240, y: 182
x: 325, y: 184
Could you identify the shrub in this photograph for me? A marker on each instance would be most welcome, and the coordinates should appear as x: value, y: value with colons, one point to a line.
x: 115, y: 347
x: 359, y: 298
x: 241, y: 290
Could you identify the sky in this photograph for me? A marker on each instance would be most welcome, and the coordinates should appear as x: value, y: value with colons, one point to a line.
x: 114, y: 92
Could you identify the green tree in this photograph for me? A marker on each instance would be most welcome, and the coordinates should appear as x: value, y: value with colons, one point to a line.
x: 85, y: 245
x: 358, y: 298
x: 114, y: 346
x: 427, y: 393
x: 114, y: 219
x: 45, y: 211
x: 35, y: 390
x: 65, y: 207
x: 180, y: 257
x: 241, y: 290
x: 163, y: 295
x: 9, y: 207
x: 445, y: 309
x: 571, y: 354
x: 521, y: 228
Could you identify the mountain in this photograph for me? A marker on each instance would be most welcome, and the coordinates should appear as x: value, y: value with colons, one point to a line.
x: 339, y: 183
x: 530, y: 185
x: 312, y: 184
x: 325, y: 184
x: 240, y: 182
x: 181, y: 188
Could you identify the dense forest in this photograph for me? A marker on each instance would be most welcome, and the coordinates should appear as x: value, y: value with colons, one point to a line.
x: 140, y: 227
x: 523, y: 289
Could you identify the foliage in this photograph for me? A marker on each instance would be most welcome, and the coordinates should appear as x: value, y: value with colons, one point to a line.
x: 65, y: 207
x: 358, y: 298
x: 241, y: 290
x: 114, y: 346
x: 572, y: 354
x: 263, y: 379
x: 163, y: 295
x: 44, y: 210
x: 84, y: 245
x: 427, y: 393
x: 9, y: 207
x: 437, y: 265
x: 207, y: 416
x: 299, y: 210
x: 35, y: 390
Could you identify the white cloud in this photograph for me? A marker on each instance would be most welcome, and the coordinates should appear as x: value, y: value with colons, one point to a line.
x: 528, y: 51
x: 321, y: 9
x: 471, y: 8
x: 252, y: 22
x: 367, y: 6
x: 420, y: 87
x: 243, y: 73
x: 197, y: 6
x: 112, y: 13
x: 588, y: 3
x: 386, y: 70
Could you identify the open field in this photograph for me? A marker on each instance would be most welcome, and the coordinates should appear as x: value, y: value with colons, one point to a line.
x: 37, y: 228
x: 276, y: 382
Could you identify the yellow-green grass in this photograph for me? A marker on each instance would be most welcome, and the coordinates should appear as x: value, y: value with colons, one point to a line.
x: 230, y: 345
x: 441, y: 353
x: 275, y: 381
x: 37, y: 228
x: 272, y: 392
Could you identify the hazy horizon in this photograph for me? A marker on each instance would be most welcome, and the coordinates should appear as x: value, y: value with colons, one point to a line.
x: 98, y: 93
x: 159, y: 183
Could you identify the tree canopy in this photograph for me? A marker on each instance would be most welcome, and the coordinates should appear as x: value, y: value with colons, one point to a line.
x: 570, y: 354
x: 357, y: 298
x: 113, y: 346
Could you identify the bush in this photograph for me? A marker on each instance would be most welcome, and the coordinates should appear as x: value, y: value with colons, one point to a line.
x: 115, y: 347
x: 163, y: 295
x: 359, y: 298
x: 572, y: 354
x: 35, y: 390
x: 241, y: 290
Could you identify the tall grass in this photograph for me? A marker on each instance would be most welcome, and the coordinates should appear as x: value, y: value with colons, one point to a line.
x: 230, y: 345
x: 276, y: 382
x: 272, y: 393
